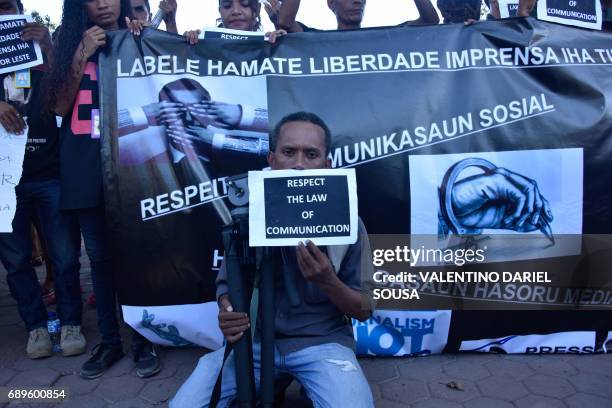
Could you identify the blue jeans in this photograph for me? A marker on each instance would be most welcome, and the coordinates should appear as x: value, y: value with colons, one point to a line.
x: 329, y: 373
x: 92, y: 222
x: 41, y: 200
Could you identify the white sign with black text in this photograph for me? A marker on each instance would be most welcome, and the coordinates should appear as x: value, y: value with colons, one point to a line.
x: 16, y: 54
x: 508, y: 8
x: 579, y: 13
x: 287, y: 207
x: 229, y: 34
x: 12, y: 153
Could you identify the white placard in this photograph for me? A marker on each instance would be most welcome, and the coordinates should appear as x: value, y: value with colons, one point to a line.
x: 579, y: 13
x: 16, y: 54
x: 287, y: 207
x: 12, y: 152
x: 229, y: 34
x: 508, y: 8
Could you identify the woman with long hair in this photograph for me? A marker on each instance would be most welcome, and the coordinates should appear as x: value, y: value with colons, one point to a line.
x: 74, y: 95
x: 243, y: 15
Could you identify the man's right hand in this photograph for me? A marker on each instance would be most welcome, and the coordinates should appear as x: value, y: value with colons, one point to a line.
x: 10, y: 119
x: 232, y: 324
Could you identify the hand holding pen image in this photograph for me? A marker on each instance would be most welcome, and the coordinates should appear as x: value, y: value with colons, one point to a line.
x: 495, y: 199
x: 208, y: 126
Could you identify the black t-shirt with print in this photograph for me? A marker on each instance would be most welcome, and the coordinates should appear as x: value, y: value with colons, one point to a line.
x: 41, y: 160
x: 80, y: 159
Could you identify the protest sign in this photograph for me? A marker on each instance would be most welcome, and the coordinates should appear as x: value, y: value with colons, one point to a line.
x: 378, y: 92
x: 12, y: 152
x: 16, y: 54
x: 290, y: 206
x: 508, y: 8
x: 579, y: 13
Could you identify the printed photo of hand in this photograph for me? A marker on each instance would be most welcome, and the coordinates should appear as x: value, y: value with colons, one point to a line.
x: 219, y: 114
x: 191, y: 138
x: 164, y: 113
x: 500, y: 199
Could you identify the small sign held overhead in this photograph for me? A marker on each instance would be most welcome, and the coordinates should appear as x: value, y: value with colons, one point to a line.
x: 16, y: 54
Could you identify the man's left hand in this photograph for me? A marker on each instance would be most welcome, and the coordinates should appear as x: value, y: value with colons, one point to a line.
x: 38, y: 33
x: 314, y: 264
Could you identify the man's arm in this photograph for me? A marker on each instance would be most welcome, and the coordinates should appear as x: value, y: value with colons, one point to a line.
x: 494, y: 9
x: 525, y: 7
x: 232, y: 324
x: 169, y: 9
x: 350, y: 287
x: 130, y: 120
x: 287, y: 14
x: 427, y: 13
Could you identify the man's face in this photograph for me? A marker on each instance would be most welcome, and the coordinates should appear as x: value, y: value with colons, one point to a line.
x: 348, y: 11
x: 103, y: 13
x: 8, y: 7
x: 140, y: 11
x: 300, y: 146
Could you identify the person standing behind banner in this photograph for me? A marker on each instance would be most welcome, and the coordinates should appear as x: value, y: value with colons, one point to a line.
x: 74, y: 96
x: 243, y: 15
x: 141, y: 10
x: 38, y: 193
x: 349, y: 14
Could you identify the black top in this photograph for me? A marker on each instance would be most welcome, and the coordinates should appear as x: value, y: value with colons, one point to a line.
x: 80, y: 159
x: 41, y: 160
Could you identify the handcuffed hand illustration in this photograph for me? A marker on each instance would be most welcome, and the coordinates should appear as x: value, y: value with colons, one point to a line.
x: 496, y: 199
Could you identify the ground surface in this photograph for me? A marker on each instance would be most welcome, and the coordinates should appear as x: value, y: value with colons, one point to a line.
x: 486, y: 381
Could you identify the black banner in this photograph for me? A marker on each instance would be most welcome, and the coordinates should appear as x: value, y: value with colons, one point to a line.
x: 417, y: 111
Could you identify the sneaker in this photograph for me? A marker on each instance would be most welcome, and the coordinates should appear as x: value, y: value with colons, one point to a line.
x: 147, y: 361
x: 72, y: 341
x: 103, y: 356
x: 39, y: 343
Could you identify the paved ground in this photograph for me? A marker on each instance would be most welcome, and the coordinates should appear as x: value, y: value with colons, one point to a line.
x: 470, y: 381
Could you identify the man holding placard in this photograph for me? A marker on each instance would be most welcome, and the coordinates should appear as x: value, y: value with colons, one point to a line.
x: 314, y: 339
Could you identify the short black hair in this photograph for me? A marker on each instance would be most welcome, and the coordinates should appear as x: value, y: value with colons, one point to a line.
x: 307, y: 117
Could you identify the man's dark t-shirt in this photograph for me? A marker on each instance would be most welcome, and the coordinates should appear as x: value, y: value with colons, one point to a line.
x: 41, y: 160
x: 80, y: 159
x: 315, y: 319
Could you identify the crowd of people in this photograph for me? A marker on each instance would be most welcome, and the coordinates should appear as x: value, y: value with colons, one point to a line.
x: 61, y: 193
